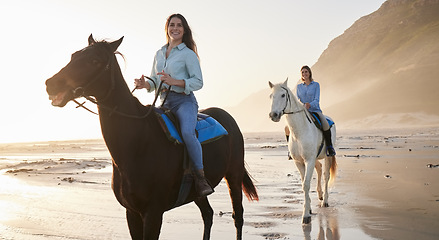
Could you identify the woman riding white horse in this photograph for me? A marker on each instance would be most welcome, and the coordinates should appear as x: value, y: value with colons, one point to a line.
x: 308, y: 93
x: 306, y: 143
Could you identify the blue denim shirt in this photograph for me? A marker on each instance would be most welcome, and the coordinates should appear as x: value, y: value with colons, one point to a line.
x: 310, y: 94
x: 182, y: 64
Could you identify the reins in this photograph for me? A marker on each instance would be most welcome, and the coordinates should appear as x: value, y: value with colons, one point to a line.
x: 114, y: 110
x: 80, y: 92
x: 289, y: 101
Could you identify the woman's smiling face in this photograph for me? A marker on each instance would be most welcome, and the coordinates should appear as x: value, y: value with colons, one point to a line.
x: 305, y: 74
x: 175, y: 29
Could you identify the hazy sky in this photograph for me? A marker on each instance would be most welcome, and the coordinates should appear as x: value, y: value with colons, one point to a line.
x: 242, y: 45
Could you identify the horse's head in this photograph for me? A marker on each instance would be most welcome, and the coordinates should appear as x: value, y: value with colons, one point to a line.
x: 279, y: 100
x: 82, y: 75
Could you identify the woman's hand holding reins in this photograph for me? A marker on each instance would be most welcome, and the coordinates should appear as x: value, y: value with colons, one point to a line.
x: 307, y: 105
x: 166, y: 78
x: 140, y: 83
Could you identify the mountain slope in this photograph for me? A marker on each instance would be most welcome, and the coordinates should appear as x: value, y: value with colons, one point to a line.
x: 386, y: 62
x: 382, y: 71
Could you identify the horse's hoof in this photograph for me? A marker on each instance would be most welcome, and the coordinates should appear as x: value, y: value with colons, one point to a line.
x: 321, y: 198
x: 325, y: 205
x: 306, y: 220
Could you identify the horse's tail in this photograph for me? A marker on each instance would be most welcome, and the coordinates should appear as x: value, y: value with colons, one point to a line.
x: 333, y: 171
x: 248, y: 187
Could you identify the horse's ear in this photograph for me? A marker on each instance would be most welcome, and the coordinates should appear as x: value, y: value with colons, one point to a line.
x: 91, y: 40
x: 286, y: 82
x: 270, y: 84
x: 114, y: 45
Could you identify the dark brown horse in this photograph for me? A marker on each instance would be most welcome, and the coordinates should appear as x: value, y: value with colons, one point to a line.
x: 147, y: 167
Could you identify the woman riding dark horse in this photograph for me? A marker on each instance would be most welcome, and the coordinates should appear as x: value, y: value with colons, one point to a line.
x: 179, y: 58
x: 147, y: 167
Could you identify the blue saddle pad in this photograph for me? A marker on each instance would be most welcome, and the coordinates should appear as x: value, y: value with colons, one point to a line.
x: 316, y: 118
x: 208, y: 129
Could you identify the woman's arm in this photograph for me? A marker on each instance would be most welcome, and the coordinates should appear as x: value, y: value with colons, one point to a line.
x: 316, y: 100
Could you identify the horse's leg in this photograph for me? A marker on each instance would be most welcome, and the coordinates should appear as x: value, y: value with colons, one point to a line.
x: 235, y: 191
x: 135, y: 224
x: 326, y: 175
x: 319, y: 179
x: 152, y: 223
x: 207, y: 214
x: 309, y: 167
x: 301, y: 167
x: 300, y: 164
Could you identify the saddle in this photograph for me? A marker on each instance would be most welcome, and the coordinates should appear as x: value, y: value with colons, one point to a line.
x: 207, y: 129
x: 318, y: 123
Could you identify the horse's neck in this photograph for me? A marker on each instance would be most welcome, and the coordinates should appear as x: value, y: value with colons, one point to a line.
x: 119, y: 112
x: 298, y: 121
x: 125, y: 135
x: 117, y: 96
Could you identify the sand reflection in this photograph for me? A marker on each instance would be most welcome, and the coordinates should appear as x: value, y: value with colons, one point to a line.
x: 63, y: 191
x: 327, y: 225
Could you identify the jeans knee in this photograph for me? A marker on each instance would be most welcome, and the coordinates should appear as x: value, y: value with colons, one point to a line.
x: 188, y: 135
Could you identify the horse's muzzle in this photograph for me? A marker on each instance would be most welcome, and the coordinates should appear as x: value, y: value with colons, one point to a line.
x: 59, y: 93
x: 275, y: 117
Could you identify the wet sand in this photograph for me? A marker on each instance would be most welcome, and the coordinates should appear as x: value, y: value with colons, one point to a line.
x: 386, y: 188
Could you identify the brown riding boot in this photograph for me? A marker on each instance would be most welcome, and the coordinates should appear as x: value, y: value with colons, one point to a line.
x: 202, y: 187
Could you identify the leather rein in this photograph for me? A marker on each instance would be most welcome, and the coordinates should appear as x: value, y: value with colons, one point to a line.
x: 80, y: 92
x: 289, y: 101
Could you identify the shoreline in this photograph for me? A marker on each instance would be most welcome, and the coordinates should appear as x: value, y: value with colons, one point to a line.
x: 384, y: 190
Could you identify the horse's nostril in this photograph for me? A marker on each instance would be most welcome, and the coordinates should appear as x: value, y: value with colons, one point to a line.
x: 273, y: 115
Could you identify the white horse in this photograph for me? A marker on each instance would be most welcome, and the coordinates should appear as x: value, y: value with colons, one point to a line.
x: 306, y: 144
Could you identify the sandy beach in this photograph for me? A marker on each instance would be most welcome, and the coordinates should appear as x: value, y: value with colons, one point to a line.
x: 387, y: 187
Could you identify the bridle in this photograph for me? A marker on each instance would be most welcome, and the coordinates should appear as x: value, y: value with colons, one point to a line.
x: 80, y: 92
x: 288, y: 101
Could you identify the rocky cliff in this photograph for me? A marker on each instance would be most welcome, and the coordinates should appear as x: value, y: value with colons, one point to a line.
x: 386, y: 62
x: 382, y: 71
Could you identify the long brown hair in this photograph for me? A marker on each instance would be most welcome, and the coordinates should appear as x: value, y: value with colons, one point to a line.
x: 187, y: 36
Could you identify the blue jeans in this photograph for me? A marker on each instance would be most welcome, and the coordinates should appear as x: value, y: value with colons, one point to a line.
x: 185, y: 108
x: 323, y: 120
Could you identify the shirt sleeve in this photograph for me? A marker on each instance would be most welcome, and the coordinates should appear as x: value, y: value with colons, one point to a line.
x: 154, y: 84
x: 316, y: 100
x: 153, y: 73
x: 194, y: 81
x: 299, y: 93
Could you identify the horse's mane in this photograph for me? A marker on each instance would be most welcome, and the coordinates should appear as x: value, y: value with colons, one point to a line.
x: 292, y: 95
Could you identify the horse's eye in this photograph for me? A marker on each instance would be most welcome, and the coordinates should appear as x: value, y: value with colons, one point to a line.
x: 283, y: 95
